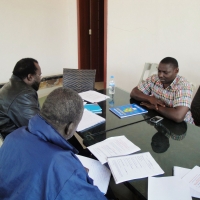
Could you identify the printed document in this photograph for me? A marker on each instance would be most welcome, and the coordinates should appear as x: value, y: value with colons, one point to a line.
x: 193, y: 178
x: 133, y: 166
x: 98, y: 172
x: 168, y: 188
x: 93, y: 96
x: 181, y: 172
x: 113, y: 146
x: 89, y: 119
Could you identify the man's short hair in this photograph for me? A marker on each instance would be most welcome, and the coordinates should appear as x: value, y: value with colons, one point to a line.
x: 171, y: 61
x: 24, y: 67
x: 62, y: 107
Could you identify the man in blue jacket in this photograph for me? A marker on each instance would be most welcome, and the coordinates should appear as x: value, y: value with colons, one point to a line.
x: 37, y: 162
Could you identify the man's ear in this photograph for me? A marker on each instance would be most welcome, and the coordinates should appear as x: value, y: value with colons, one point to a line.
x: 177, y: 70
x: 29, y: 77
x: 69, y: 128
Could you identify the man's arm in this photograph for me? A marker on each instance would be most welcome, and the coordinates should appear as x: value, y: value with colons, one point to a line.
x: 24, y: 107
x: 176, y: 114
x: 140, y: 96
x: 77, y: 187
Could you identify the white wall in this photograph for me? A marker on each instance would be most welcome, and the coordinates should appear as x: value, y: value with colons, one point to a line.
x: 142, y: 31
x: 43, y: 29
x: 139, y: 31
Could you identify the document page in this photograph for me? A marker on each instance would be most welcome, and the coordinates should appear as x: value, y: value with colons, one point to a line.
x: 98, y: 172
x: 168, y: 188
x: 133, y: 166
x: 193, y: 178
x: 113, y: 146
x: 181, y: 172
x: 89, y: 119
x: 93, y: 96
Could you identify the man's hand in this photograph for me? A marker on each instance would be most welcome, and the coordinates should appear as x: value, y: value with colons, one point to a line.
x: 140, y: 96
x: 156, y: 102
x: 149, y: 105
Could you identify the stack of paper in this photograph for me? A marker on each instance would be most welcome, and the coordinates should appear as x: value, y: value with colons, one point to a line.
x: 113, y: 146
x: 95, y: 108
x: 93, y: 96
x: 192, y: 177
x: 89, y: 120
x: 133, y: 166
x: 168, y: 188
x: 125, y: 167
x: 98, y: 172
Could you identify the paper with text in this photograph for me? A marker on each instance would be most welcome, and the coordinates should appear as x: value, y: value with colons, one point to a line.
x: 168, y: 188
x: 93, y: 96
x: 193, y: 178
x: 89, y: 119
x: 134, y: 166
x: 98, y: 172
x: 113, y: 146
x: 181, y: 172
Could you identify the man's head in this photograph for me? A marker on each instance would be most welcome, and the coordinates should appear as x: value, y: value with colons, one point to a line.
x: 29, y: 71
x: 63, y: 109
x: 167, y: 70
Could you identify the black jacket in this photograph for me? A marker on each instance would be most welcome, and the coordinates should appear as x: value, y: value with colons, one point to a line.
x: 18, y: 103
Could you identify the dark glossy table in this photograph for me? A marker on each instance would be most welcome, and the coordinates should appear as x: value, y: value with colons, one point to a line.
x: 112, y: 121
x: 169, y: 143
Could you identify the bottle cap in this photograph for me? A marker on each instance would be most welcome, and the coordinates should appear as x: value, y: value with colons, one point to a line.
x: 111, y: 76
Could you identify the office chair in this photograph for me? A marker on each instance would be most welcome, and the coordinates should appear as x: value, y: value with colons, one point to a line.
x: 80, y: 80
x: 195, y: 108
x: 149, y: 69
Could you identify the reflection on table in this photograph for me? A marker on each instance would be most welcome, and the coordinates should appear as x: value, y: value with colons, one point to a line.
x: 171, y: 144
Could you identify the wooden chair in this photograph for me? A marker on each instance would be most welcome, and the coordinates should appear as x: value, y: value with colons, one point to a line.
x: 80, y: 80
x: 195, y: 108
x: 149, y: 69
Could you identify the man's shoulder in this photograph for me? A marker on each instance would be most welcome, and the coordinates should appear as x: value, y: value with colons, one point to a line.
x: 16, y: 87
x: 182, y: 82
x: 153, y: 78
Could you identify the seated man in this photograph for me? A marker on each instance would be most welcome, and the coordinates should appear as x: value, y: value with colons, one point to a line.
x: 167, y: 93
x: 37, y: 162
x: 18, y: 97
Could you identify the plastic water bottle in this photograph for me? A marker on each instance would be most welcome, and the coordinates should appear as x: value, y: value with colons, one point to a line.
x: 112, y: 85
x: 111, y: 100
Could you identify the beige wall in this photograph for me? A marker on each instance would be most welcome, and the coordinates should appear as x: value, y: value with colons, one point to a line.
x: 43, y: 29
x: 139, y: 31
x: 142, y: 31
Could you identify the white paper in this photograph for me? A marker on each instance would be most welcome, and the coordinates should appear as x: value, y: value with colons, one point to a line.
x: 113, y: 146
x: 168, y: 188
x: 89, y: 119
x: 98, y: 172
x: 93, y: 96
x: 133, y: 166
x: 193, y: 178
x: 181, y: 172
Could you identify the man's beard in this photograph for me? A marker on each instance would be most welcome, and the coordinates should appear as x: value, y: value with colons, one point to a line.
x: 35, y: 85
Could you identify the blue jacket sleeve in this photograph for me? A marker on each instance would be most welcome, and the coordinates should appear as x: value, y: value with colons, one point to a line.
x: 78, y: 187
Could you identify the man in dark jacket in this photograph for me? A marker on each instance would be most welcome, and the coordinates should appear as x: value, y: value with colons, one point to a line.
x: 18, y: 97
x: 37, y: 162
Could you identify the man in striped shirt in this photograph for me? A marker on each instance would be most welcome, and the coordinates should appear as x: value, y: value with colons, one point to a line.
x: 166, y: 92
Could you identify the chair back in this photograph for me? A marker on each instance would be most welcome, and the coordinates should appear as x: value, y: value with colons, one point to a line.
x: 149, y: 69
x: 195, y: 108
x: 80, y: 80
